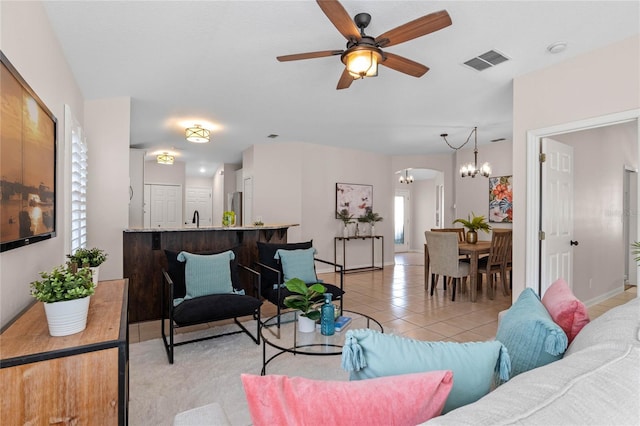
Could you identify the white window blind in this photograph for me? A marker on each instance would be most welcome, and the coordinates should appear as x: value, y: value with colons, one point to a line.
x: 78, y: 190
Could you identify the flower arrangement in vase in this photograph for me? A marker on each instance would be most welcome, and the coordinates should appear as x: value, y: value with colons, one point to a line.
x: 346, y: 219
x: 371, y: 218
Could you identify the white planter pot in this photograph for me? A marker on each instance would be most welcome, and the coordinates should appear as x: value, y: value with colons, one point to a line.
x: 67, y: 317
x: 306, y: 325
x: 95, y: 270
x: 345, y: 232
x: 373, y: 231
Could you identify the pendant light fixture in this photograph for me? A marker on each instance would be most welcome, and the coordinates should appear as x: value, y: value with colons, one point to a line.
x: 197, y: 134
x: 165, y: 158
x: 471, y: 169
x: 406, y: 178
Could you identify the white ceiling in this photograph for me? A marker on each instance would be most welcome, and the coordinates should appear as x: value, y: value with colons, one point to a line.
x: 214, y: 62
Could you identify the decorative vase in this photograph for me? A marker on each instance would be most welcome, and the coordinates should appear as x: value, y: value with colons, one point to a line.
x: 306, y: 325
x: 345, y: 231
x: 95, y: 270
x: 373, y: 230
x: 67, y: 317
x: 472, y: 237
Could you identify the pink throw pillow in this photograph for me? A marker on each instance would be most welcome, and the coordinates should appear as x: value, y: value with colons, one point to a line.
x: 565, y: 309
x: 407, y: 399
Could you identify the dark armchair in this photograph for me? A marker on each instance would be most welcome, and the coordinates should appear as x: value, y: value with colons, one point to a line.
x: 274, y: 269
x: 207, y: 290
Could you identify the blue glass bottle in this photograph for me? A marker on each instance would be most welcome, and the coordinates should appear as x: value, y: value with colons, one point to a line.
x: 327, y: 319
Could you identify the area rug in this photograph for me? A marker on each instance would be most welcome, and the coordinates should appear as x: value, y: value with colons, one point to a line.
x: 206, y: 372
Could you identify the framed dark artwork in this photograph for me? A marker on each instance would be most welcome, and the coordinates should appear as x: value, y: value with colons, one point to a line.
x: 27, y: 163
x: 356, y: 199
x: 501, y: 199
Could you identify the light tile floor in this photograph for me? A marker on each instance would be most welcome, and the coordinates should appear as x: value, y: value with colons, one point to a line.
x: 397, y: 299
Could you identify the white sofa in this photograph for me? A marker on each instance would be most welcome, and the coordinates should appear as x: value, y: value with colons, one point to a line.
x: 597, y: 382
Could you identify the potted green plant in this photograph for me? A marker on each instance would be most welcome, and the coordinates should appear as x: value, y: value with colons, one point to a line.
x: 89, y: 258
x: 306, y: 299
x: 371, y: 218
x: 346, y: 219
x: 473, y: 225
x: 65, y: 292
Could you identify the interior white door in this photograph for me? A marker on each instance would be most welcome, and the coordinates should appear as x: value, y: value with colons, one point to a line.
x: 401, y: 220
x: 556, y: 241
x: 198, y: 198
x: 165, y: 206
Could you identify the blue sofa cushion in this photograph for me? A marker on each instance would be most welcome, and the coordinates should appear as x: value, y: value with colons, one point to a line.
x: 530, y: 335
x: 476, y: 366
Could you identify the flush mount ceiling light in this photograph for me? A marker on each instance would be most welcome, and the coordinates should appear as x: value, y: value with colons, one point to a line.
x: 197, y: 134
x: 165, y: 158
x: 471, y: 169
x: 406, y: 178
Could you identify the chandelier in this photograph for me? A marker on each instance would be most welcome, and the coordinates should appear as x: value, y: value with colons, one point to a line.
x: 471, y: 169
x: 406, y: 178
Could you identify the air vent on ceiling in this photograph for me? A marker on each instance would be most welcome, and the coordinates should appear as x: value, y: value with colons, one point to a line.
x: 486, y: 60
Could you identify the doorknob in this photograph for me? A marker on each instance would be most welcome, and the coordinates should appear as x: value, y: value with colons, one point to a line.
x: 574, y: 243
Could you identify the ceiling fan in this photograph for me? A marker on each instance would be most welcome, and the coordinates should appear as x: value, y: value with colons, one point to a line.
x: 363, y: 53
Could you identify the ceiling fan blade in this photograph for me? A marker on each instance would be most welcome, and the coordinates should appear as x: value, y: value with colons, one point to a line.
x: 339, y: 18
x: 345, y: 80
x: 414, y: 29
x: 309, y: 55
x: 404, y: 65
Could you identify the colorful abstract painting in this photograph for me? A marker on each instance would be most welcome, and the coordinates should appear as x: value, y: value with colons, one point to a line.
x: 501, y: 199
x: 356, y: 199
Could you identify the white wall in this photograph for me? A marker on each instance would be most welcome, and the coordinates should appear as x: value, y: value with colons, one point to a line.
x: 28, y: 42
x: 295, y: 183
x: 599, y: 159
x: 423, y: 209
x: 136, y: 182
x: 595, y: 84
x: 107, y: 127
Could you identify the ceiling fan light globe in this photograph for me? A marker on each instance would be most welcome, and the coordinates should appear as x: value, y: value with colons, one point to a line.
x: 362, y: 61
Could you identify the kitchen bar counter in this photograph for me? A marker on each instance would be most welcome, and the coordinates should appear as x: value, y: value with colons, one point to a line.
x: 144, y: 256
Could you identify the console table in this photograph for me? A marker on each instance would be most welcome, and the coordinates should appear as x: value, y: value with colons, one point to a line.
x: 344, y: 240
x: 77, y: 379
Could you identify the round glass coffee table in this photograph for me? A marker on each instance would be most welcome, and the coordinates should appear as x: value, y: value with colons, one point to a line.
x: 287, y: 338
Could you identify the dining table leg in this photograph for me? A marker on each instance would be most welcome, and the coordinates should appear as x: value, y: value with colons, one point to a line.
x: 474, y: 275
x: 426, y: 268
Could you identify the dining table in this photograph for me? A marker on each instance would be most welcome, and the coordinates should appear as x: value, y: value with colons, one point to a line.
x: 473, y: 251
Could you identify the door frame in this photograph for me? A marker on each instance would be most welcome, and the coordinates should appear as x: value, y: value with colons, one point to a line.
x: 533, y: 178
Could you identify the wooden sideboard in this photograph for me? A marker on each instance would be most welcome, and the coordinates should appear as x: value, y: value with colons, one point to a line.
x: 144, y: 257
x: 78, y: 379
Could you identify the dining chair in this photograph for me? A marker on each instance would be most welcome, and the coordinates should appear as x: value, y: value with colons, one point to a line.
x: 496, y: 261
x: 461, y: 239
x: 444, y: 259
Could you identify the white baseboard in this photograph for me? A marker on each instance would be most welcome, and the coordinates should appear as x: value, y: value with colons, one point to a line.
x: 604, y: 297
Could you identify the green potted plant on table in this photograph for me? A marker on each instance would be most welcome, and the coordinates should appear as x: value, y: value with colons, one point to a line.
x: 371, y: 218
x: 89, y: 258
x: 66, y: 292
x: 346, y: 219
x: 473, y: 225
x: 306, y: 299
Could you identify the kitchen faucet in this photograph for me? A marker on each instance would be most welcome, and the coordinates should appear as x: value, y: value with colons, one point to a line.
x: 196, y: 218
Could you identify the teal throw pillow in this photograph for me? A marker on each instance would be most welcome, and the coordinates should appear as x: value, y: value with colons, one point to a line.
x: 298, y: 264
x: 530, y: 335
x: 206, y: 274
x: 476, y: 366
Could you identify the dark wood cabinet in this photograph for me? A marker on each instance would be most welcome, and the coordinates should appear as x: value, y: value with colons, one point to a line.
x: 144, y: 257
